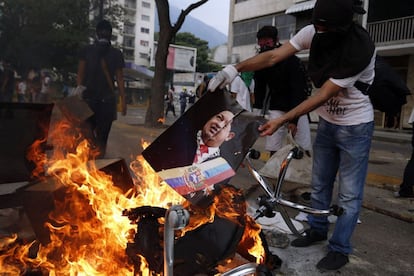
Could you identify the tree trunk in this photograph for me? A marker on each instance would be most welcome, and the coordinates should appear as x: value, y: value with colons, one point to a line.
x: 155, y: 112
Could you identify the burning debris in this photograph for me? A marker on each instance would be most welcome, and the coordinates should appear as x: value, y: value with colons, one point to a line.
x: 212, y: 237
x: 89, y: 221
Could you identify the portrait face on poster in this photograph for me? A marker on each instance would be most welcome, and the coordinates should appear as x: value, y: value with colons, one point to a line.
x: 205, y: 146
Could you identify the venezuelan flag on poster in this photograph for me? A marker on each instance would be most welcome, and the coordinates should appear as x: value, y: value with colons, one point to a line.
x: 197, y: 177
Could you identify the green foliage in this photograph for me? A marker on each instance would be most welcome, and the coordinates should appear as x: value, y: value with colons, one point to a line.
x: 203, y: 62
x: 47, y: 33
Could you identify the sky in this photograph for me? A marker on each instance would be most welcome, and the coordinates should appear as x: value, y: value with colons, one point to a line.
x: 214, y: 13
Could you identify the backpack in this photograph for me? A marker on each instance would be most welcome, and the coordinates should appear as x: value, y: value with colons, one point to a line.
x: 308, y: 82
x: 388, y: 92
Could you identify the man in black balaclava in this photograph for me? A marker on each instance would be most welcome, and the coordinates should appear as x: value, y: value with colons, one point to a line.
x: 278, y: 89
x: 340, y: 53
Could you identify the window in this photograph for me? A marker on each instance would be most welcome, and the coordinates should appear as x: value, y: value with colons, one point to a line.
x: 128, y: 54
x: 286, y: 25
x: 145, y: 30
x: 244, y: 33
x: 129, y: 29
x: 130, y: 5
x: 144, y: 43
x: 143, y: 55
x: 129, y: 42
x: 146, y: 4
x: 145, y: 17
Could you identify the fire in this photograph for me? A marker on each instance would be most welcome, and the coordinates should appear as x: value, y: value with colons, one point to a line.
x: 88, y: 233
x: 161, y: 120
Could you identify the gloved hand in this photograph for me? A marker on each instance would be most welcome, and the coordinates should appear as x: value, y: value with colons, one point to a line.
x: 222, y: 78
x: 78, y: 91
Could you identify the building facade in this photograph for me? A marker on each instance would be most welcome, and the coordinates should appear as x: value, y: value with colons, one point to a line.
x: 136, y: 39
x: 138, y: 31
x: 390, y: 25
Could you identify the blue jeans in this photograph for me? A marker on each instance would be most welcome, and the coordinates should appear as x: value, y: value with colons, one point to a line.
x: 341, y: 151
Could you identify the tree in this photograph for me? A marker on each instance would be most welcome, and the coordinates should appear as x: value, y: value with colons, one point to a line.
x: 188, y: 39
x: 168, y: 31
x: 43, y: 33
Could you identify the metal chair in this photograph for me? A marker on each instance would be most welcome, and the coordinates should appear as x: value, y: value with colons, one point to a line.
x: 273, y: 201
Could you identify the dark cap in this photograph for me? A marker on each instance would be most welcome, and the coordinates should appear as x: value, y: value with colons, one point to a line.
x: 336, y: 13
x: 104, y: 29
x: 267, y: 32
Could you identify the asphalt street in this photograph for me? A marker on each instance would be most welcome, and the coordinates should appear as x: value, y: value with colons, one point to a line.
x: 383, y: 241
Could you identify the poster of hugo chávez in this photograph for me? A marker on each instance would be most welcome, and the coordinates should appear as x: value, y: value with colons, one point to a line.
x: 204, y: 147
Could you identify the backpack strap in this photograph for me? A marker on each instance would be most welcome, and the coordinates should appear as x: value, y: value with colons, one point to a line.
x: 362, y: 86
x: 107, y: 76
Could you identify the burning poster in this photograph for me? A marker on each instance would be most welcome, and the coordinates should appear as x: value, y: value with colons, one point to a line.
x: 204, y: 147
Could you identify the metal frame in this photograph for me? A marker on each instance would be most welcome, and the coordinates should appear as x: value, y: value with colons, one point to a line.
x: 274, y: 200
x: 177, y: 217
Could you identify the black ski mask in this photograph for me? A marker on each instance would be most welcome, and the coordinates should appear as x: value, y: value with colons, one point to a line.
x: 342, y: 51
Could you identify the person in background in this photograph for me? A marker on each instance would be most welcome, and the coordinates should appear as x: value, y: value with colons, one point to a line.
x: 7, y: 82
x: 191, y: 98
x: 406, y: 187
x: 278, y: 89
x: 242, y: 88
x: 341, y: 52
x: 170, y: 101
x: 21, y: 91
x: 44, y: 90
x: 34, y: 84
x: 202, y: 87
x: 183, y: 100
x: 99, y: 65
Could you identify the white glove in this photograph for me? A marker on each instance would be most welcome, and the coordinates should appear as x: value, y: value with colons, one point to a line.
x: 78, y: 91
x: 224, y: 77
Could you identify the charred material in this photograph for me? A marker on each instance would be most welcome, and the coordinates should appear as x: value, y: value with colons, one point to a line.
x: 201, y: 249
x: 147, y: 240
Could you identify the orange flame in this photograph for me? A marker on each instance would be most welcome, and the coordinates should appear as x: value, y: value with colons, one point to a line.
x: 88, y: 234
x: 161, y: 120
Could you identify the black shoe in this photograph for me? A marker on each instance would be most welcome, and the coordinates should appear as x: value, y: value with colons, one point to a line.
x: 333, y: 261
x: 311, y: 236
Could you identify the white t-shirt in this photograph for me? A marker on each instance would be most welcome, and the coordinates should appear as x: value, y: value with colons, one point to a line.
x: 350, y: 106
x: 243, y: 94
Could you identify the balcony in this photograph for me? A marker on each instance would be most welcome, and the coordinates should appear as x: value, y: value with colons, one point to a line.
x: 392, y: 32
x: 131, y: 5
x: 129, y: 46
x: 129, y: 33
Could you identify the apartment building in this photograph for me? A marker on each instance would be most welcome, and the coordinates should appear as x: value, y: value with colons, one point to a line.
x: 136, y: 39
x: 138, y: 31
x: 391, y: 26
